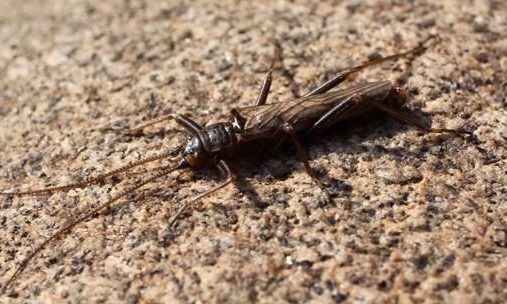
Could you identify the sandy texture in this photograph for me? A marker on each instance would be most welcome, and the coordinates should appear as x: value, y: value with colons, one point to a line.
x: 415, y: 217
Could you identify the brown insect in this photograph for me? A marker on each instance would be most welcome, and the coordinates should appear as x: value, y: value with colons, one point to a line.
x: 212, y: 145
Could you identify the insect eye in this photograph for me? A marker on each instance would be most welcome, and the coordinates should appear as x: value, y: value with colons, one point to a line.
x: 175, y: 151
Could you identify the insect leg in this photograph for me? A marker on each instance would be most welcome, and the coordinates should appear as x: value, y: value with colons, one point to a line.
x: 266, y: 82
x: 190, y: 125
x: 353, y: 105
x: 264, y: 90
x: 333, y: 115
x: 343, y: 75
x: 223, y: 168
x: 408, y: 118
x: 137, y: 129
x: 303, y: 157
x: 186, y: 122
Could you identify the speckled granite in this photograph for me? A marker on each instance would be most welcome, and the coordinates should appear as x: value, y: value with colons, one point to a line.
x: 415, y: 217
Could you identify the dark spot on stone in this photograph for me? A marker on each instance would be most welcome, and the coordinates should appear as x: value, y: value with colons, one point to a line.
x: 266, y: 234
x: 353, y: 7
x: 450, y: 284
x: 317, y: 289
x: 231, y: 218
x: 421, y: 262
x: 482, y: 57
x: 260, y: 204
x: 306, y: 265
x: 448, y: 261
x: 252, y: 295
x: 283, y: 241
x: 339, y: 297
x: 404, y: 197
x: 336, y: 187
x: 410, y: 286
x: 413, y: 91
x: 500, y: 238
x: 430, y: 197
x: 425, y: 24
x: 210, y: 261
x: 331, y: 220
x: 375, y: 239
x: 478, y: 281
x: 13, y: 294
x: 481, y: 28
x: 374, y: 56
x: 167, y: 239
x: 195, y: 278
x: 393, y: 241
x: 383, y: 285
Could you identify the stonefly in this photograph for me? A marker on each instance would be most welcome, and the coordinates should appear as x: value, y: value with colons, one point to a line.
x: 214, y: 144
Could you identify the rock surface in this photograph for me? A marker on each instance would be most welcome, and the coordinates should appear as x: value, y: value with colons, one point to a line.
x: 414, y: 217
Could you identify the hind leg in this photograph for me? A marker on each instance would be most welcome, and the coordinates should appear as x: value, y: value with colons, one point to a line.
x: 409, y: 118
x: 354, y: 105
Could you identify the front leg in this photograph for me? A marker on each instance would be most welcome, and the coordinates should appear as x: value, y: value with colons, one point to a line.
x: 191, y: 126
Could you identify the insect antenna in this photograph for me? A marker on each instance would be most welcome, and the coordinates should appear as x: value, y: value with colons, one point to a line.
x: 415, y: 51
x: 88, y: 215
x: 91, y: 180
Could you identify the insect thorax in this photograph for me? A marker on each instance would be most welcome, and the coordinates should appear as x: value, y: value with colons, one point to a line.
x: 218, y: 137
